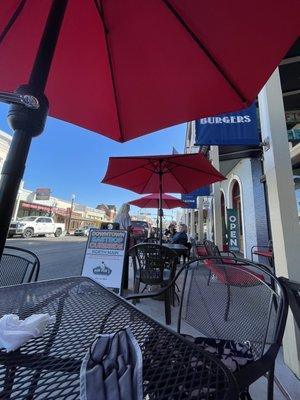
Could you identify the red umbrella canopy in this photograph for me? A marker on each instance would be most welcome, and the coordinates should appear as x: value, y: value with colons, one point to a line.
x: 125, y: 68
x: 152, y: 201
x: 180, y: 173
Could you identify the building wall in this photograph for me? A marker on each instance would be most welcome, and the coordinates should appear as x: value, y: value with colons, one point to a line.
x: 5, y: 141
x: 242, y: 173
x: 262, y: 233
x: 254, y: 221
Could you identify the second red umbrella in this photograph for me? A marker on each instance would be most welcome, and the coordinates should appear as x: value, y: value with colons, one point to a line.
x: 152, y: 201
x: 176, y: 173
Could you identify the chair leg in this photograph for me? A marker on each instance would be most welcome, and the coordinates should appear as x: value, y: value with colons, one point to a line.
x: 174, y: 294
x: 145, y: 287
x: 227, y: 304
x: 209, y: 278
x: 271, y: 383
x: 136, y: 290
x: 168, y: 307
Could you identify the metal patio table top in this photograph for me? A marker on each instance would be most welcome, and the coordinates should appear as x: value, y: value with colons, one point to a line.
x: 48, y: 367
x: 175, y: 247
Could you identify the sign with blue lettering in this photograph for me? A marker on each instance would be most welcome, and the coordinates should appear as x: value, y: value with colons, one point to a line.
x: 104, y: 257
x: 191, y: 198
x: 233, y: 230
x: 236, y: 128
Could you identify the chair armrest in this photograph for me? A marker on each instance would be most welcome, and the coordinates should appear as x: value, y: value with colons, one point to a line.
x: 256, y: 369
x: 291, y: 288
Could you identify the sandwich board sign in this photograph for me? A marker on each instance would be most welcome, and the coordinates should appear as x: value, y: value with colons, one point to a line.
x: 104, y: 257
x: 233, y: 230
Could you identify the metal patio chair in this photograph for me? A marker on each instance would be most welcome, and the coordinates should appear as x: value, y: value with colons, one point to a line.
x: 212, y: 250
x: 248, y: 341
x: 265, y: 251
x: 197, y: 250
x: 217, y: 272
x: 18, y: 266
x: 154, y: 265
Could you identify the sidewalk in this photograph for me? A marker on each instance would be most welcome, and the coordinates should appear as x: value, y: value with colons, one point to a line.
x: 290, y: 385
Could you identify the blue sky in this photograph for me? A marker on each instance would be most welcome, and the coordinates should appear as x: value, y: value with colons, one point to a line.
x: 68, y: 159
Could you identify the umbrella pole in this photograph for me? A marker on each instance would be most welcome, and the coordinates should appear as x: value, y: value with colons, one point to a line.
x: 161, y: 213
x: 157, y: 220
x: 28, y: 121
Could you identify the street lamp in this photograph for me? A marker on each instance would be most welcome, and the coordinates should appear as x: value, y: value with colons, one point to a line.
x: 70, y: 217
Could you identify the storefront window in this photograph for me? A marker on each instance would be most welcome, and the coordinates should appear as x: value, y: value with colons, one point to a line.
x: 296, y: 173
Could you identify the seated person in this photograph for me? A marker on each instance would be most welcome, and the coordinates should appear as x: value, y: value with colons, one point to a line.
x: 171, y: 231
x: 181, y: 237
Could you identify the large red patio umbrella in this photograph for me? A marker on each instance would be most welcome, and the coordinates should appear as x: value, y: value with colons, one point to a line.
x: 176, y: 173
x: 152, y: 201
x: 124, y: 68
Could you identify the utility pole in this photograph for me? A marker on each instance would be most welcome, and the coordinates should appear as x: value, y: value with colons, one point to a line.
x: 70, y: 217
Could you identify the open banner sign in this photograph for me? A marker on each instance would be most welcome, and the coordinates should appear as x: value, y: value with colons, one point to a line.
x: 233, y: 230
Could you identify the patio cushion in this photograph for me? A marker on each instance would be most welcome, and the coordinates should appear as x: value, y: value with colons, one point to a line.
x: 233, y: 354
x: 263, y: 253
x: 240, y: 275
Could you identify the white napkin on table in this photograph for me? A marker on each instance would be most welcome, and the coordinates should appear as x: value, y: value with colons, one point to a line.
x: 15, y: 332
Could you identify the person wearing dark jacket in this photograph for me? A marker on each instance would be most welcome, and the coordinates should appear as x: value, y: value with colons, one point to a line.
x: 170, y: 231
x: 181, y: 236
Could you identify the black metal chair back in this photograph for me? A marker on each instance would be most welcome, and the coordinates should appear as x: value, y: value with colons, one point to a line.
x: 150, y: 261
x: 18, y: 266
x: 258, y: 309
x: 211, y: 249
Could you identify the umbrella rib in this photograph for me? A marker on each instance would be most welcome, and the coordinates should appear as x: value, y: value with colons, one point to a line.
x: 180, y: 19
x: 150, y: 176
x: 197, y: 169
x: 12, y: 20
x: 99, y: 7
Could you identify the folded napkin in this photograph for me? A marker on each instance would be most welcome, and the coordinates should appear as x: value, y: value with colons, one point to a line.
x: 15, y: 332
x: 112, y: 368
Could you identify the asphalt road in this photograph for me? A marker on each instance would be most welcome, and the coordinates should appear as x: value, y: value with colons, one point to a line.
x: 59, y: 257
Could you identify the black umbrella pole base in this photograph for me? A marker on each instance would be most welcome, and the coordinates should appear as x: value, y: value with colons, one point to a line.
x: 26, y: 124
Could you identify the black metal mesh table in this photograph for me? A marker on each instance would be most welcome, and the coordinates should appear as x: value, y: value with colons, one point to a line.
x: 48, y: 367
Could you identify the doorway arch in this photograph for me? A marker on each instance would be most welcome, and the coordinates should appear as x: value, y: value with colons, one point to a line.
x: 223, y: 217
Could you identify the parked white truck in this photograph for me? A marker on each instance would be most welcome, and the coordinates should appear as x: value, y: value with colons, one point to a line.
x: 35, y: 226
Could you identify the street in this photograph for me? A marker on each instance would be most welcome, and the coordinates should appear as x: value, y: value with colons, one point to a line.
x: 59, y: 257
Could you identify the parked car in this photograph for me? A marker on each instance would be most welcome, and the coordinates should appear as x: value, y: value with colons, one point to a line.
x: 35, y: 226
x: 140, y: 229
x: 83, y: 231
